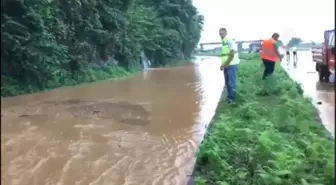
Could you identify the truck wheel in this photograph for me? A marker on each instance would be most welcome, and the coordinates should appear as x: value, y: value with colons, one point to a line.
x: 317, y: 67
x: 326, y: 74
x: 323, y: 73
x: 319, y: 71
x: 320, y: 74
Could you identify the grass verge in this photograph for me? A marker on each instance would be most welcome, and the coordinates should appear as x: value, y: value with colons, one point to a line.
x: 269, y: 137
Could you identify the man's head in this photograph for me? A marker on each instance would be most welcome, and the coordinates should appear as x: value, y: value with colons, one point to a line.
x: 275, y: 36
x: 222, y: 32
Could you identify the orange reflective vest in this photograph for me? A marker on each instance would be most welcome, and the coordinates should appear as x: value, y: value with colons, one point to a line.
x: 268, y: 51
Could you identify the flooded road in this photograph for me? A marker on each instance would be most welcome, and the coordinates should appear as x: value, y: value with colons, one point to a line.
x: 322, y: 94
x: 141, y: 130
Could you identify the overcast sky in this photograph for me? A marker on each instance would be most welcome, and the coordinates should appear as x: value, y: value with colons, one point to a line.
x: 258, y: 19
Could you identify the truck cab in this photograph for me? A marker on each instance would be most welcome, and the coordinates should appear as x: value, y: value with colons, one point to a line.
x: 325, y: 56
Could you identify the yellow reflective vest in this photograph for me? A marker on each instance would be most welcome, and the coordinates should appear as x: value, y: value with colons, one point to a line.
x: 226, y: 52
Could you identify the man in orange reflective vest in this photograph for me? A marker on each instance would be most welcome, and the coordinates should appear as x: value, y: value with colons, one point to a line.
x: 270, y: 54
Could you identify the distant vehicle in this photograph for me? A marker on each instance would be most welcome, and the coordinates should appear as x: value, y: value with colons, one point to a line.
x: 324, y: 56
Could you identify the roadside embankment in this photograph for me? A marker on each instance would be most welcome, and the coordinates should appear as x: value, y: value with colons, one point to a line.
x: 269, y: 137
x: 47, y: 44
x: 10, y: 87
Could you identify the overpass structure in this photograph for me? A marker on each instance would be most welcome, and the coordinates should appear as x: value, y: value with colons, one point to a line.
x: 239, y: 44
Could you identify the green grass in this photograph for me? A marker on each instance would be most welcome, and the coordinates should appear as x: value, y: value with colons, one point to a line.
x: 269, y: 137
x: 248, y: 56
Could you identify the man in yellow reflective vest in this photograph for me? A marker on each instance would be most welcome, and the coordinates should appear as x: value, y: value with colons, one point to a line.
x: 230, y: 61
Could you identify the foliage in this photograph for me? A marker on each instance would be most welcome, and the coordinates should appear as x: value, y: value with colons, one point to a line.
x: 268, y: 137
x: 47, y: 43
x: 92, y: 74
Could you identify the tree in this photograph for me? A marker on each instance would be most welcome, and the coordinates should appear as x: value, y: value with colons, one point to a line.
x: 47, y: 43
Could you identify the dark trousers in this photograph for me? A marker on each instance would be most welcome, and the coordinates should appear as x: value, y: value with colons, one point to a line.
x: 287, y: 56
x: 230, y: 77
x: 295, y: 57
x: 269, y: 68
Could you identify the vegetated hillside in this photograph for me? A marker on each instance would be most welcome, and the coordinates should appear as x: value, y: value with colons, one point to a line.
x: 48, y: 43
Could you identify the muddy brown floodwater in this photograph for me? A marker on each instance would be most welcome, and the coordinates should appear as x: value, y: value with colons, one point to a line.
x: 141, y: 130
x: 322, y: 94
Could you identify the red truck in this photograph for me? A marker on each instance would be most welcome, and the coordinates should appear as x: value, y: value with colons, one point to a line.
x: 324, y: 56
